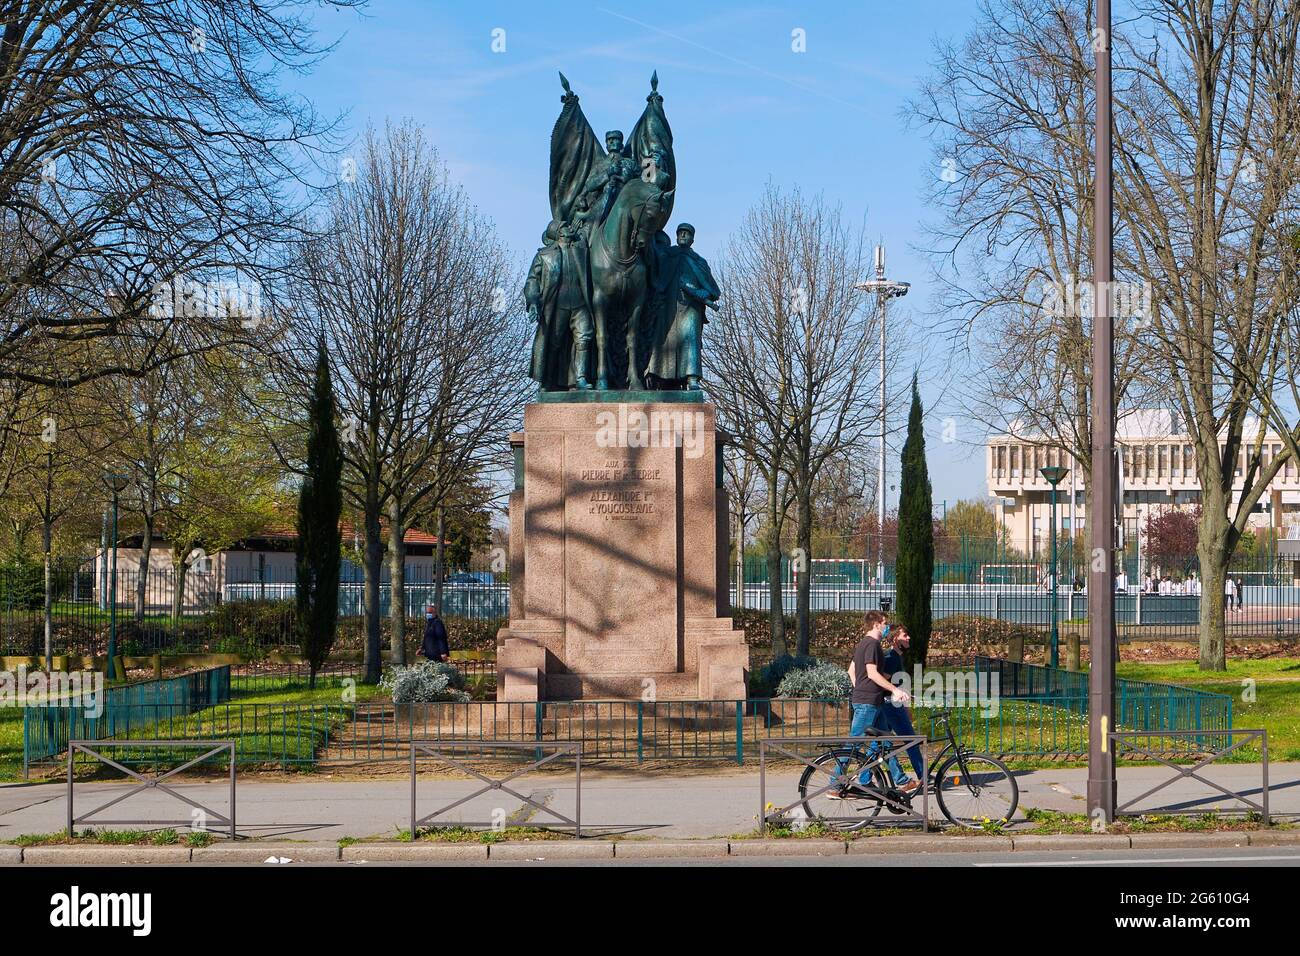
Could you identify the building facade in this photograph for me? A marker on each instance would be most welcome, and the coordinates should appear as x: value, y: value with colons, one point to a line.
x: 1158, y: 473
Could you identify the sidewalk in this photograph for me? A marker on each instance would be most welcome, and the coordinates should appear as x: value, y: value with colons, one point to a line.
x: 690, y: 806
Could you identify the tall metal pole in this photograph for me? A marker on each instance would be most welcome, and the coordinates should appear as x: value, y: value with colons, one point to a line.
x: 883, y: 299
x: 884, y: 290
x: 1056, y: 637
x: 1101, y: 575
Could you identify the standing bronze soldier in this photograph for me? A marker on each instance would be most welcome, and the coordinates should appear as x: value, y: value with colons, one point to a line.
x: 685, y: 286
x: 558, y: 301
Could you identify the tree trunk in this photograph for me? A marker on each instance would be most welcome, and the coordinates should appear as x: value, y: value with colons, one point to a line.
x: 776, y: 608
x: 740, y: 559
x: 803, y: 591
x: 178, y: 597
x: 439, y: 562
x: 47, y: 538
x: 396, y: 585
x: 374, y: 561
x: 142, y: 577
x: 1214, y: 572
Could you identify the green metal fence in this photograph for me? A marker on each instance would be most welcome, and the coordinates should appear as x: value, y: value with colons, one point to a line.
x: 116, y: 711
x: 288, y: 735
x: 1139, y: 705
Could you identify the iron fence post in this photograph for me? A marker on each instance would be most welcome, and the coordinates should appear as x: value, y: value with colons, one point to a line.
x: 740, y: 733
x: 1263, y: 743
x: 640, y: 731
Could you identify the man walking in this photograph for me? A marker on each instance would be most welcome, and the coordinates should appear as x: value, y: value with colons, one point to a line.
x: 870, y: 685
x: 897, y: 719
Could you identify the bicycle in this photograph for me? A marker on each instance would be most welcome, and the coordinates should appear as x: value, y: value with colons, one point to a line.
x: 971, y: 787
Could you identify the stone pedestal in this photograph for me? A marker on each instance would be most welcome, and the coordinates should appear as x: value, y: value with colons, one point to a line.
x: 618, y: 549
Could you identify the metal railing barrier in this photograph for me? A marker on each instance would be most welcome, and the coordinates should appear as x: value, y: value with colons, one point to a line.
x: 439, y: 749
x: 91, y: 748
x: 1122, y: 738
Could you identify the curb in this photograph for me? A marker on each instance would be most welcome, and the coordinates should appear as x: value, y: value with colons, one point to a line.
x: 553, y: 850
x: 1092, y: 841
x: 637, y: 850
x: 788, y: 848
x: 105, y: 855
x: 260, y: 852
x: 928, y: 844
x: 257, y: 853
x: 1181, y: 840
x: 408, y: 853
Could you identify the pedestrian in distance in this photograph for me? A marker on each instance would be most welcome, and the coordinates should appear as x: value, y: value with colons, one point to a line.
x: 435, y: 646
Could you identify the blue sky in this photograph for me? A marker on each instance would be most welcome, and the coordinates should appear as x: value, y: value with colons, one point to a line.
x: 744, y: 106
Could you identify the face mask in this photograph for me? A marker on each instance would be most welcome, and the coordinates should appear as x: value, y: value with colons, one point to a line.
x: 428, y: 617
x: 885, y: 631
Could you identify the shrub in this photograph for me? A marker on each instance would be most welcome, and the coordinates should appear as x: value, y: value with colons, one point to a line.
x: 424, y: 683
x: 822, y: 681
x: 769, y: 678
x: 22, y: 585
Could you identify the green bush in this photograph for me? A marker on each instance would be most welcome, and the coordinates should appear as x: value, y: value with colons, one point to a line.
x: 822, y: 681
x: 22, y: 585
x: 772, y: 673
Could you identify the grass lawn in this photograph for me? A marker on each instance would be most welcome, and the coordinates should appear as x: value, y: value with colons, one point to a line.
x: 269, y: 732
x: 11, y: 743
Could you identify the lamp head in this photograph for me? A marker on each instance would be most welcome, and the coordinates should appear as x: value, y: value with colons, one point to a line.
x: 1054, y: 474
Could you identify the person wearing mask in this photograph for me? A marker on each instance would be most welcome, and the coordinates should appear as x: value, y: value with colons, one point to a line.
x: 435, y: 646
x: 897, y: 719
x: 870, y: 688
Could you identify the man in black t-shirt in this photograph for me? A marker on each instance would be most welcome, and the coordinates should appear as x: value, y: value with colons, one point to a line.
x: 870, y: 688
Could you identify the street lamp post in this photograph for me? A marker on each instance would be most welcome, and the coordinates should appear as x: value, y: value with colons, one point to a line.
x: 1054, y: 475
x: 1101, y: 588
x: 885, y: 290
x: 116, y: 482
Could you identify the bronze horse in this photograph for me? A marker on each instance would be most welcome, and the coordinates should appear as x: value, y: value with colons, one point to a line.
x: 618, y: 275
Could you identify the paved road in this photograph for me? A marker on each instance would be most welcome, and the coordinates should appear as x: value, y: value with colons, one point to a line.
x: 689, y: 805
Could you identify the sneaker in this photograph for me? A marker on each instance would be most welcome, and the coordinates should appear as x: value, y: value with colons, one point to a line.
x: 910, y: 787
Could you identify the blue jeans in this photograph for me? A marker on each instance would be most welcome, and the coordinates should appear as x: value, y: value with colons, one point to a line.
x: 867, y: 716
x: 897, y: 722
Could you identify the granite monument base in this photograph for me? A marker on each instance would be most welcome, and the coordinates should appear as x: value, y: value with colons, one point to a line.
x: 619, y: 553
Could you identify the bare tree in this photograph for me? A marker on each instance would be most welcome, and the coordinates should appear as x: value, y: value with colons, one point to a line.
x: 789, y: 355
x: 1206, y: 144
x: 1009, y: 110
x: 1209, y: 184
x: 406, y: 281
x: 141, y: 141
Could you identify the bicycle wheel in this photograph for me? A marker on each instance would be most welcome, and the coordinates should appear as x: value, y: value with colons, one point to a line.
x: 974, y: 788
x: 857, y: 807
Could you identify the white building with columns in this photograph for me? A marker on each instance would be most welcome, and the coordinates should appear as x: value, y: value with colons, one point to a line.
x: 1159, y: 472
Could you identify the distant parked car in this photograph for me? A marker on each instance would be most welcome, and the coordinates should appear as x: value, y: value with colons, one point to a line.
x: 470, y: 577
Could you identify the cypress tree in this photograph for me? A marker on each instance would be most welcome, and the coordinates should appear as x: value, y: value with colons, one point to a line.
x: 914, y: 570
x: 320, y: 503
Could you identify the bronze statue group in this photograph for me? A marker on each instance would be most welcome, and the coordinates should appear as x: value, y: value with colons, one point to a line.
x: 617, y: 306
